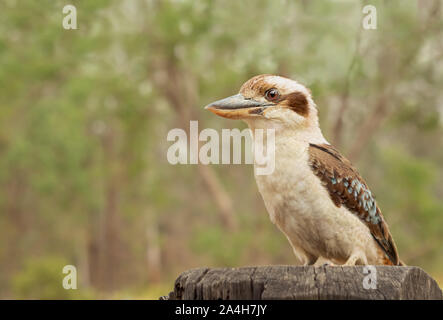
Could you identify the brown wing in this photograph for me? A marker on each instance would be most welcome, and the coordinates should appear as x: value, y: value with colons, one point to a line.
x: 346, y: 187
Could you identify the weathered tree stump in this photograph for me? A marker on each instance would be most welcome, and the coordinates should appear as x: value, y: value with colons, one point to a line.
x: 306, y: 282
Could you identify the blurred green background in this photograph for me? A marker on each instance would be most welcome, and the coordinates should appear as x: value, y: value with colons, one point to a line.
x: 84, y: 116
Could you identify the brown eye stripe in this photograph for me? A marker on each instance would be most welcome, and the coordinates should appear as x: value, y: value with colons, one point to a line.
x: 297, y: 102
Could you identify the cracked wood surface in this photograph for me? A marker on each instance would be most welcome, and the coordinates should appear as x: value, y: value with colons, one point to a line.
x: 303, y: 282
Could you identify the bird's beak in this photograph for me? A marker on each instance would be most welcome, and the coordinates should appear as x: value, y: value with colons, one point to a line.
x: 237, y: 107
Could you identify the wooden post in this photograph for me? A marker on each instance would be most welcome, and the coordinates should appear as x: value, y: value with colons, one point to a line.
x: 306, y: 282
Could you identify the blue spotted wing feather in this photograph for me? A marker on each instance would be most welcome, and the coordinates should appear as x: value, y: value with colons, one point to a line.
x: 346, y: 188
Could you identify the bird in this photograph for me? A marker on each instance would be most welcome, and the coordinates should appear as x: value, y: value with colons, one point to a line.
x: 315, y: 196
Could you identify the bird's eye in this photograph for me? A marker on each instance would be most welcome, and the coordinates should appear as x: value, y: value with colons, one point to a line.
x: 272, y: 94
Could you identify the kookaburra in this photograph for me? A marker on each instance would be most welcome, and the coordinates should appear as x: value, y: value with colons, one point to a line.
x: 315, y: 196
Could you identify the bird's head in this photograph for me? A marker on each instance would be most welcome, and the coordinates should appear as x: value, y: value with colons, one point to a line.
x: 270, y: 100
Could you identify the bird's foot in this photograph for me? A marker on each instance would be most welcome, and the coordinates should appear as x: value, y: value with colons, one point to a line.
x: 328, y: 264
x: 323, y: 262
